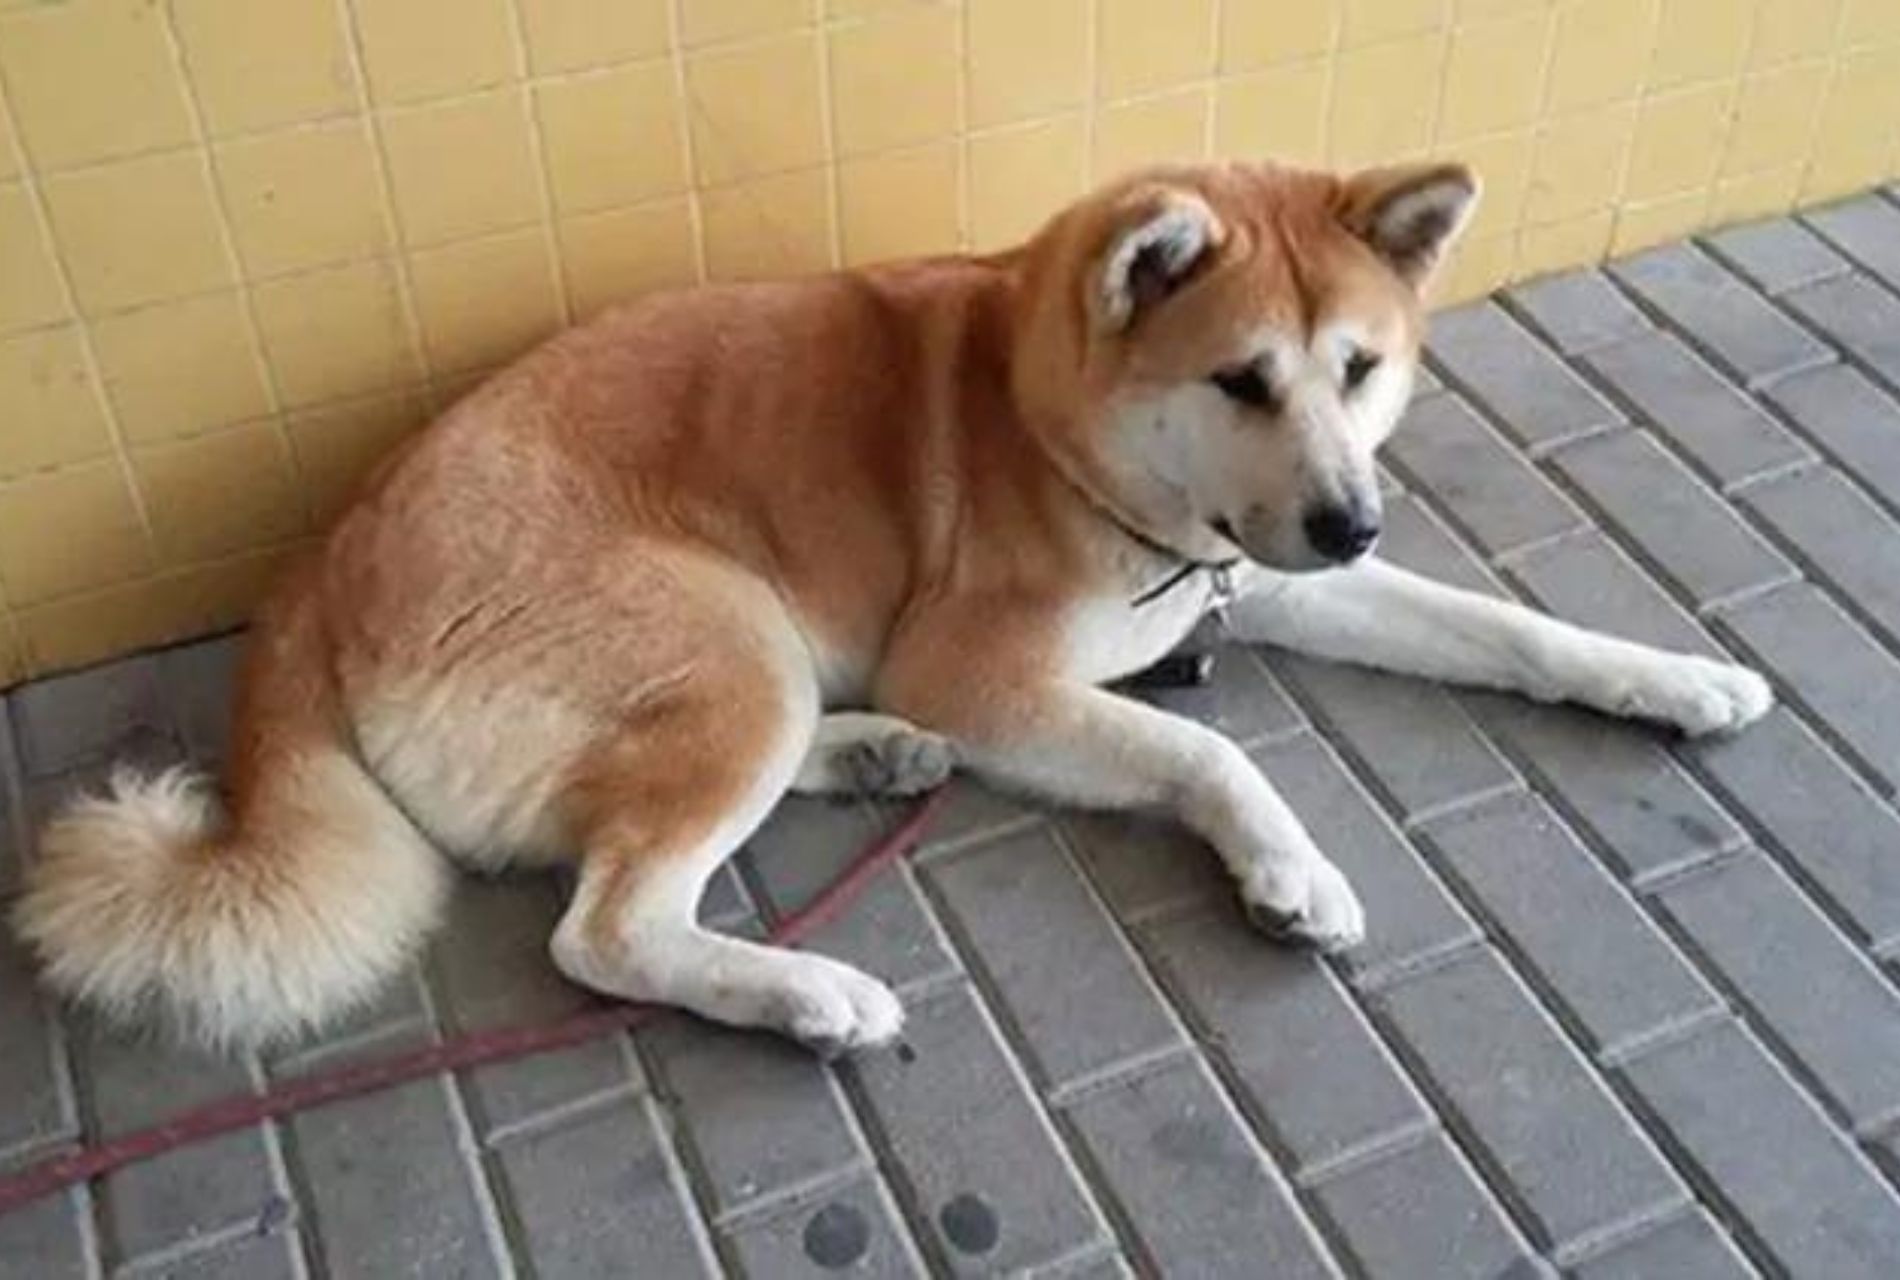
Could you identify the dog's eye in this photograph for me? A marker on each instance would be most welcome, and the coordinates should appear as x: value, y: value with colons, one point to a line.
x: 1359, y: 367
x: 1245, y: 385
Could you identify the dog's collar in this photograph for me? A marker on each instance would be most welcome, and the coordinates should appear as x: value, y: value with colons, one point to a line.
x: 1220, y: 572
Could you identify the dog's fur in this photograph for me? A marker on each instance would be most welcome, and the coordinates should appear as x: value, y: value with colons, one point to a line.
x: 600, y: 609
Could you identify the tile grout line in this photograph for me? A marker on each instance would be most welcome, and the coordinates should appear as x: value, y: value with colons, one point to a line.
x: 397, y: 260
x: 912, y: 1217
x: 1649, y: 901
x: 1609, y: 1075
x: 830, y: 160
x: 1809, y: 721
x: 537, y: 152
x: 1612, y: 530
x: 118, y: 450
x: 234, y: 263
x: 1495, y: 940
x: 1200, y: 1048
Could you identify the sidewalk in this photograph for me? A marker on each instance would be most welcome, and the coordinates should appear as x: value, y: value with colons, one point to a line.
x: 1628, y: 1008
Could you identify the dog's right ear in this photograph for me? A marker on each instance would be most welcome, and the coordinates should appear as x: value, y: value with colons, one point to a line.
x: 1160, y: 236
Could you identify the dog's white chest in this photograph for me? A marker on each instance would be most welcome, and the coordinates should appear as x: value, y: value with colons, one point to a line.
x: 1113, y: 636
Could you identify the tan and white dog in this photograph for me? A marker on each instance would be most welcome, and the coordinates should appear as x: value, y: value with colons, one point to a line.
x: 605, y: 608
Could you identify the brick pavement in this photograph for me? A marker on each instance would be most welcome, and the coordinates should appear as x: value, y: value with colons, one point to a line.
x: 1629, y: 1008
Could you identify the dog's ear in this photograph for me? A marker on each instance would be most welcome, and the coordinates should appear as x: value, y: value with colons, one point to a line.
x: 1409, y: 214
x: 1158, y: 237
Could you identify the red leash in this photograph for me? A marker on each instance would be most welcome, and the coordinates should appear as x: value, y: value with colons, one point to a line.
x: 457, y: 1054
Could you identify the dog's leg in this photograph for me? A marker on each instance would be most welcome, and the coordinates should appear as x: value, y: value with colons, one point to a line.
x: 866, y: 754
x: 1381, y: 616
x: 1086, y: 746
x: 658, y: 806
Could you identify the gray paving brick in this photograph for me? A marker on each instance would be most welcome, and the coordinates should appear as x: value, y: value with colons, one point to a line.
x: 726, y: 903
x: 1241, y: 700
x: 1852, y: 419
x: 1614, y: 779
x: 396, y: 1157
x: 973, y: 811
x: 199, y: 683
x: 1195, y: 1187
x: 1858, y: 314
x: 599, y: 1196
x: 1811, y: 1201
x: 1534, y: 395
x: 1719, y: 313
x: 50, y: 1239
x: 1556, y: 1134
x: 1408, y: 911
x: 1816, y: 814
x: 756, y: 1114
x: 1140, y: 863
x: 13, y: 824
x: 1578, y: 310
x: 1411, y: 737
x: 1592, y: 582
x: 804, y: 846
x: 1831, y: 665
x: 1580, y: 933
x: 113, y: 711
x: 1689, y: 403
x: 250, y: 1257
x: 1814, y: 992
x: 39, y: 1102
x: 1063, y: 978
x: 1414, y: 539
x: 1421, y: 1213
x: 988, y: 1185
x: 1691, y: 1247
x: 1310, y: 1067
x: 399, y: 1015
x: 1837, y: 531
x: 491, y: 968
x: 1095, y: 1266
x: 1486, y: 488
x: 854, y: 1228
x: 201, y: 1188
x: 1696, y: 540
x: 1777, y: 255
x: 1867, y: 229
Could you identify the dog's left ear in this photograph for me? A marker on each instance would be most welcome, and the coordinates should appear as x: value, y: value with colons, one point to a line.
x: 1159, y: 237
x: 1409, y: 214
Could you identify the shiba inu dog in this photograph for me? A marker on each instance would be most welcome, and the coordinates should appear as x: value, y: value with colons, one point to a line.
x: 847, y: 532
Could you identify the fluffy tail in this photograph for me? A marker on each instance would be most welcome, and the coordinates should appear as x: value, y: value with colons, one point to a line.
x: 244, y: 930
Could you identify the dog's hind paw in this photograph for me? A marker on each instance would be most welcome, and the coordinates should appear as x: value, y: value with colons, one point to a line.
x: 865, y: 754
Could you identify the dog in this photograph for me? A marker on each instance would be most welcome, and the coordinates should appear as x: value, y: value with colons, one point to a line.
x: 837, y: 534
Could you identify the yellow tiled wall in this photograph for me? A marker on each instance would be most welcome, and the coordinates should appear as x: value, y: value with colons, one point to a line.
x: 244, y: 244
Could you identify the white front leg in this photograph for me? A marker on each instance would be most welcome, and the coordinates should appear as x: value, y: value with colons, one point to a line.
x: 1378, y: 615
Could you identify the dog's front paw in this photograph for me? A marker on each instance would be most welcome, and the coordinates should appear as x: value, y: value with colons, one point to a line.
x: 1699, y: 695
x: 835, y: 1009
x: 1307, y: 903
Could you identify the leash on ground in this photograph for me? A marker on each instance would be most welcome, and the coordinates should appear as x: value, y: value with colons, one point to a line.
x: 458, y: 1053
x: 498, y: 1044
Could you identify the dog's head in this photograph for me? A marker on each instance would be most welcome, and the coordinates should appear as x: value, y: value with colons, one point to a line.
x: 1215, y: 353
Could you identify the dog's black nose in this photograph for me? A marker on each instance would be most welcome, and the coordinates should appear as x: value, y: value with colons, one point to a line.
x: 1342, y: 533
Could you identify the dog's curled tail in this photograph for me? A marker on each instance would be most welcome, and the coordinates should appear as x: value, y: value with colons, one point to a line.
x: 246, y: 929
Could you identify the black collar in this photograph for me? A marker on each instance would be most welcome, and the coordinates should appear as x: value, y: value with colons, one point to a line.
x: 1221, y: 570
x: 1186, y: 566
